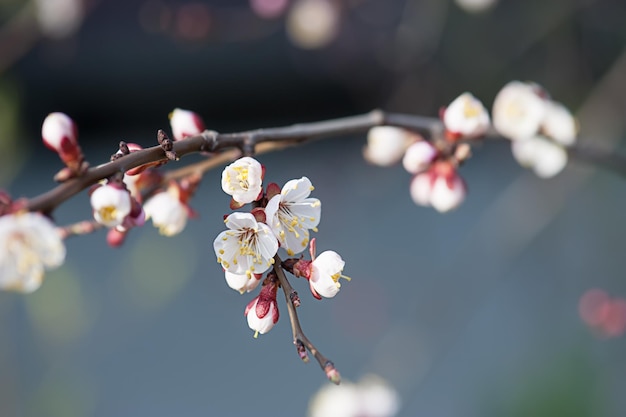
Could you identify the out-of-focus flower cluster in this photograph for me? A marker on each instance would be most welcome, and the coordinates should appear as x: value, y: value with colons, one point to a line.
x: 605, y: 315
x: 33, y: 244
x: 539, y: 129
x: 370, y: 397
x: 280, y: 217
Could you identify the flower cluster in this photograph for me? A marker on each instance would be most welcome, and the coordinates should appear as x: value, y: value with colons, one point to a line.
x: 279, y: 218
x: 538, y: 127
x: 434, y: 164
x: 605, y: 315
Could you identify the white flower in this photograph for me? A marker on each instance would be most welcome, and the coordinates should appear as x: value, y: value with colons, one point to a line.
x: 371, y: 397
x: 262, y: 315
x: 440, y: 187
x: 419, y: 156
x: 326, y: 270
x: 185, y: 123
x: 559, y: 124
x: 29, y: 244
x: 110, y: 204
x: 167, y: 212
x: 248, y: 247
x: 242, y: 282
x: 292, y: 213
x: 544, y: 157
x: 243, y: 179
x: 386, y: 145
x: 466, y: 117
x: 518, y: 110
x: 475, y: 6
x: 59, y: 18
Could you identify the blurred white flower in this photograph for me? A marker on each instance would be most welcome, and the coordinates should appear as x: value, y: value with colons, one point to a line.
x: 185, y: 123
x: 111, y: 204
x: 543, y: 156
x: 466, y: 117
x: 29, y: 244
x: 475, y: 6
x: 248, y: 247
x: 292, y: 213
x: 419, y: 156
x: 167, y: 211
x: 440, y: 187
x: 371, y: 397
x: 559, y: 124
x: 518, y: 110
x: 59, y: 18
x: 386, y: 145
x: 243, y: 180
x: 312, y: 24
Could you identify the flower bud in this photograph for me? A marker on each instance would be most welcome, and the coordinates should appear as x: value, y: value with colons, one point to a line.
x: 440, y: 187
x: 59, y: 133
x: 559, y: 124
x: 466, y: 117
x: 262, y: 311
x: 419, y: 156
x: 185, y: 123
x: 543, y: 156
x: 386, y: 145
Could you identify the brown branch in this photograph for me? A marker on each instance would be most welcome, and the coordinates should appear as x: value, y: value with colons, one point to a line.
x: 227, y: 147
x: 299, y: 338
x: 248, y: 142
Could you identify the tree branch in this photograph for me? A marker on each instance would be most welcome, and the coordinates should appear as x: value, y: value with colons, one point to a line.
x: 229, y: 146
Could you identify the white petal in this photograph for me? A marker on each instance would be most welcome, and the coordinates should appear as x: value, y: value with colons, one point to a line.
x: 386, y: 145
x: 545, y: 158
x: 466, y: 116
x: 559, y: 124
x: 296, y: 190
x: 418, y: 156
x: 447, y: 195
x: 421, y: 189
x: 518, y: 111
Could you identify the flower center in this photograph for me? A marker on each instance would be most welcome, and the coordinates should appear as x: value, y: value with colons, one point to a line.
x: 108, y: 213
x: 242, y: 177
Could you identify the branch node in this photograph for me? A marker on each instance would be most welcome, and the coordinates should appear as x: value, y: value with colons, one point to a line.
x: 167, y: 145
x: 210, y: 140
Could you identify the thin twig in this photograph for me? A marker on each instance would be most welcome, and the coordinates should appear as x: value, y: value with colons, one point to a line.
x: 299, y: 338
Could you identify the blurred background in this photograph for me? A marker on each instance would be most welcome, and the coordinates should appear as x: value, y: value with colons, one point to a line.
x: 479, y: 312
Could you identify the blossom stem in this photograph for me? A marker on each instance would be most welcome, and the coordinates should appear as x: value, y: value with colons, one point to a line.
x: 299, y: 338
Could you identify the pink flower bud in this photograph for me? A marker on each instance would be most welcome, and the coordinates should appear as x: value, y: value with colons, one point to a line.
x: 440, y: 187
x: 262, y: 311
x: 185, y: 123
x: 59, y: 133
